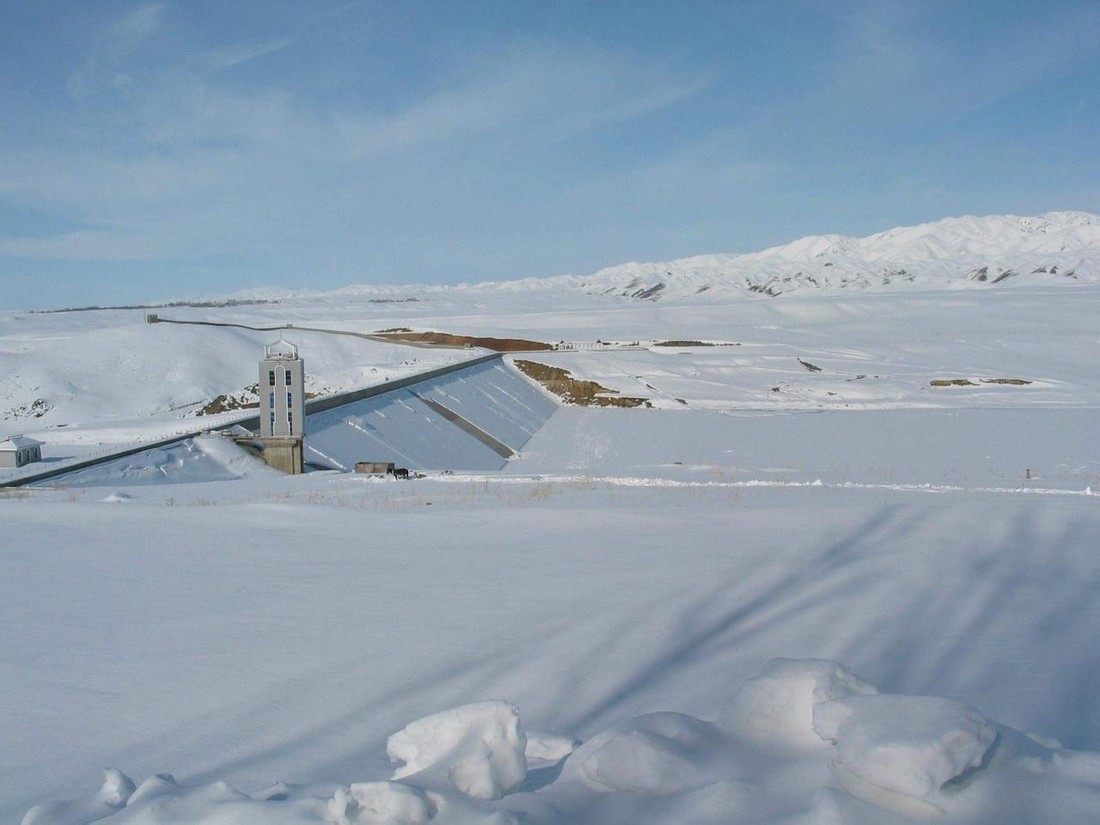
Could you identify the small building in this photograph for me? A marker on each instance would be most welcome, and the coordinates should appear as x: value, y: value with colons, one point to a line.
x: 19, y: 450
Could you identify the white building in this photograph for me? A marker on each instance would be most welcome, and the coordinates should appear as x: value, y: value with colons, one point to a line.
x: 19, y: 450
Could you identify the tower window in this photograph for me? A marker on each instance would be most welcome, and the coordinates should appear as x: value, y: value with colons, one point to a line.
x: 286, y: 376
x: 271, y: 378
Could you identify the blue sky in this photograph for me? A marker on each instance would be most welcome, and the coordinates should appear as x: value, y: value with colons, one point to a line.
x: 187, y: 148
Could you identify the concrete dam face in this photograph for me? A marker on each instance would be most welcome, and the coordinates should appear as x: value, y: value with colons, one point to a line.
x: 471, y: 419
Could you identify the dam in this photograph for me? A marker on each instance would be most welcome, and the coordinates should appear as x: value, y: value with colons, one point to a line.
x: 471, y: 416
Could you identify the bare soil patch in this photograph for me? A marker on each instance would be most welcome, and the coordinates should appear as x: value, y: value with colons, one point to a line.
x: 35, y: 409
x: 966, y: 382
x: 244, y: 399
x: 577, y: 391
x: 447, y: 339
x: 693, y: 343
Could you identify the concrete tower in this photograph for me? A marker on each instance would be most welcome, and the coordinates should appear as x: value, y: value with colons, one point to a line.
x: 282, y: 406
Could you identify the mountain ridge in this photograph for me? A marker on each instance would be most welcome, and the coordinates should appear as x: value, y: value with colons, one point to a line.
x: 1060, y: 247
x: 949, y: 253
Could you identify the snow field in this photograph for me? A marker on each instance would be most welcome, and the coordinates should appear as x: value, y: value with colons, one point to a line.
x: 669, y: 607
x: 155, y: 638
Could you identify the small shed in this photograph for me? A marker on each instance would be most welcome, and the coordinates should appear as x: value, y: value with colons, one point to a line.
x: 19, y: 450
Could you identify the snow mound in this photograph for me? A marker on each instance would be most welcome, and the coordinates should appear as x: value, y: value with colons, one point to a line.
x: 477, y: 749
x: 780, y: 702
x: 375, y: 802
x: 911, y: 745
x: 656, y: 753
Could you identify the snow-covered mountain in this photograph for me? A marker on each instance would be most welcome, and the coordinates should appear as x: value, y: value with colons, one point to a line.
x: 952, y: 253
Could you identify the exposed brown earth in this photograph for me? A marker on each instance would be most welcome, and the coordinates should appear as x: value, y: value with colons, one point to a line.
x: 966, y: 382
x: 244, y: 399
x: 35, y: 409
x: 577, y: 391
x: 227, y: 403
x: 447, y: 339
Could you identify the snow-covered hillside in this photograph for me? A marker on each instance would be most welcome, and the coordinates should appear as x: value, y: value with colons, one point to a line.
x: 842, y: 569
x: 952, y: 253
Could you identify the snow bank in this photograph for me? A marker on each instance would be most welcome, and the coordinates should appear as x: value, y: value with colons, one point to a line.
x: 882, y: 759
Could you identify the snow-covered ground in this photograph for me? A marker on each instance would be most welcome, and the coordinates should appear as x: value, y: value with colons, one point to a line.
x: 836, y: 594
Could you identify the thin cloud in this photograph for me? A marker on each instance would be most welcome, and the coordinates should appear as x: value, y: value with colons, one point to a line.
x: 539, y: 97
x: 103, y: 68
x: 912, y: 63
x: 229, y: 56
x: 132, y: 29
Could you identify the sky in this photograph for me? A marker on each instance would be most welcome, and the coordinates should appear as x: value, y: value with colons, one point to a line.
x: 171, y: 150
